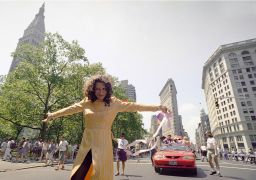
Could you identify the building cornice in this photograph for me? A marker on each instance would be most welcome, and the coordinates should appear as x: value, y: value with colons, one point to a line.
x: 169, y: 81
x: 226, y: 48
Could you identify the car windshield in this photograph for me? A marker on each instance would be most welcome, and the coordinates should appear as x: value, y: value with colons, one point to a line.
x: 174, y: 148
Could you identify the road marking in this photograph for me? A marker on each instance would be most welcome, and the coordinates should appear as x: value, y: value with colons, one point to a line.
x: 207, y: 165
x: 230, y: 167
x: 248, y: 165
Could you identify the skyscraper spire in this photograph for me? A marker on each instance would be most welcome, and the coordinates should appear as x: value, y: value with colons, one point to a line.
x: 34, y: 34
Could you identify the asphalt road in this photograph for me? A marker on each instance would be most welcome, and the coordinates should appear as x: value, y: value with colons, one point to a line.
x: 141, y: 171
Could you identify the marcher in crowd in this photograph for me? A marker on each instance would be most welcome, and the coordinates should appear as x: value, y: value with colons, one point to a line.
x: 121, y: 153
x: 212, y: 154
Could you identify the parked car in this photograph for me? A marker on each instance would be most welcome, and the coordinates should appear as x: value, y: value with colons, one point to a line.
x: 175, y: 157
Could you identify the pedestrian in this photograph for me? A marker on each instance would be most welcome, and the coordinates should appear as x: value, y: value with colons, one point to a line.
x: 74, y: 148
x: 9, y: 147
x: 121, y: 153
x: 50, y: 152
x: 212, y: 154
x: 44, y: 151
x: 95, y: 156
x: 3, y: 147
x: 203, y: 153
x: 153, y: 149
x: 63, y: 148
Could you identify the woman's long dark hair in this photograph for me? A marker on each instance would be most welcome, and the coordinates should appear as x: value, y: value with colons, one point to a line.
x: 90, y: 86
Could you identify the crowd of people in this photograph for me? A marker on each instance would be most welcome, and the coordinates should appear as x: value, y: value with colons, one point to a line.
x: 49, y: 152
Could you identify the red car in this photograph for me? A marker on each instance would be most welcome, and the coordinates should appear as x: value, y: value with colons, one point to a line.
x: 175, y: 157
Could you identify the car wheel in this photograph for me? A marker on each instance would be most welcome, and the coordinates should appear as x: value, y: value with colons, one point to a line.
x: 157, y: 170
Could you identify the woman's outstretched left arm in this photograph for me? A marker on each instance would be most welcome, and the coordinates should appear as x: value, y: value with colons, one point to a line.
x: 133, y: 107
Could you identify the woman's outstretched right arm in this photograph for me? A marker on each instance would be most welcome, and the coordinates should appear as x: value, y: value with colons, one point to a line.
x: 75, y: 108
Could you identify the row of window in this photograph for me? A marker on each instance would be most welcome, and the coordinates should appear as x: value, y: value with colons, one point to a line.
x: 243, y: 83
x: 253, y: 137
x: 232, y: 113
x: 249, y: 118
x: 251, y: 127
x: 249, y: 110
x: 239, y: 138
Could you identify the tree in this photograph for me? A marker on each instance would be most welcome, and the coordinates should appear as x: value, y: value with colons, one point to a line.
x: 49, y: 77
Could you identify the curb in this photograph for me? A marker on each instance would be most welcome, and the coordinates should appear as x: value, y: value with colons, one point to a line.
x: 21, y: 168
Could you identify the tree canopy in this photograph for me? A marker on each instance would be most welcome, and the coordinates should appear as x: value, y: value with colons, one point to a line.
x: 49, y: 77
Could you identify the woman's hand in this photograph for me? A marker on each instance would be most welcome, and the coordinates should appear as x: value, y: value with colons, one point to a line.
x: 164, y: 109
x: 48, y: 118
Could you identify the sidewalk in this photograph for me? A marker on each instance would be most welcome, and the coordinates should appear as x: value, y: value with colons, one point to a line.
x: 13, y: 166
x: 10, y: 166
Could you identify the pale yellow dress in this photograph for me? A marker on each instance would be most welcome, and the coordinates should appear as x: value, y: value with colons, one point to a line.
x: 95, y: 156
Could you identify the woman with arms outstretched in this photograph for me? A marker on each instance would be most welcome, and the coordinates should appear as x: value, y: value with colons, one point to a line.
x: 95, y: 156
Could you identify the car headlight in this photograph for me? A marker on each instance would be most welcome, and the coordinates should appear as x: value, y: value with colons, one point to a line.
x: 159, y: 156
x: 189, y: 157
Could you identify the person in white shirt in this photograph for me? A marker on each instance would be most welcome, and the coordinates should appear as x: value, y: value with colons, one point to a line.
x: 3, y: 147
x: 121, y: 152
x: 203, y: 153
x: 7, y: 154
x: 212, y: 154
x: 63, y: 147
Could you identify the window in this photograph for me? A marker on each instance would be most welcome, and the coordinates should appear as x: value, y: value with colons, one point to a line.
x: 247, y: 118
x: 243, y: 104
x: 251, y: 110
x: 248, y: 70
x: 252, y: 137
x: 243, y: 83
x: 245, y: 53
x: 245, y: 90
x: 252, y: 82
x: 224, y: 139
x: 249, y: 76
x: 253, y: 118
x: 238, y: 84
x: 249, y: 103
x: 239, y: 138
x: 241, y: 77
x: 231, y: 139
x: 239, y: 71
x: 253, y: 88
x: 249, y: 126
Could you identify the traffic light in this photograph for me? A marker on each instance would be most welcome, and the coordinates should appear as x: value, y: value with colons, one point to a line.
x: 217, y: 104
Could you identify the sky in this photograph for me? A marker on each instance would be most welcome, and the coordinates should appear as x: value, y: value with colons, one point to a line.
x: 145, y: 42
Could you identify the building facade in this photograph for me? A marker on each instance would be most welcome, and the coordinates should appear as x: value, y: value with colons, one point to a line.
x: 154, y: 124
x: 229, y: 84
x: 129, y: 90
x: 202, y: 129
x: 34, y: 34
x: 168, y: 98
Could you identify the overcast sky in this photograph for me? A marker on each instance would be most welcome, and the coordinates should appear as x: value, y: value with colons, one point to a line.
x: 144, y: 42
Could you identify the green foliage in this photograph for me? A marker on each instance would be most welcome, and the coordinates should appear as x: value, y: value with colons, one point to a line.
x: 49, y: 77
x: 129, y: 123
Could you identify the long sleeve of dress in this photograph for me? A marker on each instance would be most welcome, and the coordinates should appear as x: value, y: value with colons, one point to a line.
x: 75, y: 108
x: 133, y: 107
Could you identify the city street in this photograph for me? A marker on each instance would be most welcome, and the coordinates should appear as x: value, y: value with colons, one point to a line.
x: 134, y: 171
